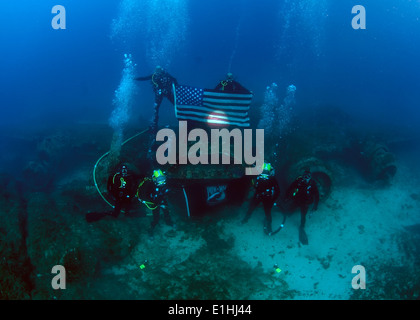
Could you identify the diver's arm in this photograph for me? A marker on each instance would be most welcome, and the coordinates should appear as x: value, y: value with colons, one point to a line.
x: 237, y: 87
x: 144, y: 78
x: 289, y: 192
x: 276, y: 189
x: 132, y: 189
x: 109, y: 184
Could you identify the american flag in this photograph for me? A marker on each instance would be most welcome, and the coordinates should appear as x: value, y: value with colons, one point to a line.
x: 212, y: 106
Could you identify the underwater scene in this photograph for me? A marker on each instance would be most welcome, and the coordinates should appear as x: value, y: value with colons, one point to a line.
x: 210, y: 150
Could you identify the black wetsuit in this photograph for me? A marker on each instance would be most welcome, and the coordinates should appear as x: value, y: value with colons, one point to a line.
x: 230, y: 85
x: 122, y: 188
x: 162, y: 83
x: 155, y: 196
x: 303, y: 194
x: 266, y: 191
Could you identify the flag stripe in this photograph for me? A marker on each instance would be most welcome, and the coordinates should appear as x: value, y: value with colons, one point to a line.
x: 200, y: 119
x: 210, y: 93
x: 210, y: 110
x: 226, y: 105
x: 213, y: 115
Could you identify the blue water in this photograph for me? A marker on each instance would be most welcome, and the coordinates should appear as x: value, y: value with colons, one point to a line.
x: 70, y: 75
x: 52, y: 79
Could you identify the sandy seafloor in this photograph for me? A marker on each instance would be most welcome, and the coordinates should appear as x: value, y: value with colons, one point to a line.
x: 359, y: 224
x: 215, y: 257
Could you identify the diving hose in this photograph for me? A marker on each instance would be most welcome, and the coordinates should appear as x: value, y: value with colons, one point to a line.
x: 103, y: 156
x: 146, y: 203
x: 186, y: 201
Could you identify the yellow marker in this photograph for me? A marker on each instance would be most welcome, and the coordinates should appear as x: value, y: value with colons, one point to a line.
x: 143, y: 265
x: 278, y: 270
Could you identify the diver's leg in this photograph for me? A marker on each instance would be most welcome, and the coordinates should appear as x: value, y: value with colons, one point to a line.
x: 127, y: 206
x: 155, y: 221
x: 151, y: 154
x: 167, y: 216
x: 155, y: 121
x: 302, y: 234
x: 117, y: 208
x: 251, y: 208
x: 268, y: 205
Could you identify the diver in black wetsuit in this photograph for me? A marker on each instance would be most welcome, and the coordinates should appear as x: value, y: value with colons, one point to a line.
x: 303, y: 192
x: 230, y: 85
x: 122, y: 187
x: 162, y: 83
x: 266, y: 191
x: 153, y: 193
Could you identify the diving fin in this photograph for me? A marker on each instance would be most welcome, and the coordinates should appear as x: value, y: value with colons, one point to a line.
x: 95, y: 216
x: 143, y: 78
x: 302, y: 236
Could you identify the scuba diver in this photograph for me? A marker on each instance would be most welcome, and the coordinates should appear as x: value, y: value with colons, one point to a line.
x: 152, y: 193
x: 266, y: 191
x: 303, y: 192
x: 121, y: 186
x: 230, y: 85
x: 162, y: 83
